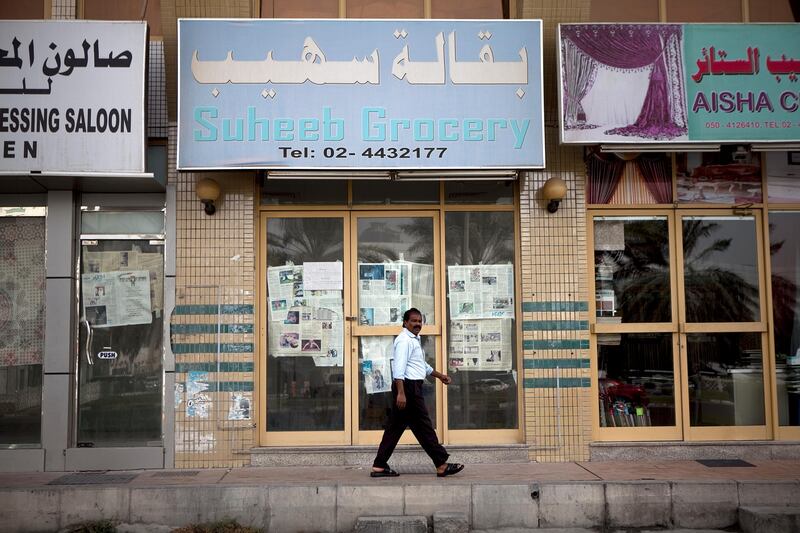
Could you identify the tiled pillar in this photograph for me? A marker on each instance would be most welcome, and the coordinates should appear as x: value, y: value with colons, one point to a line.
x: 554, y: 276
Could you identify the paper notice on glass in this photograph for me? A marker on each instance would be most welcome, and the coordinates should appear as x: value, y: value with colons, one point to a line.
x: 480, y: 344
x: 323, y: 276
x: 377, y: 347
x: 285, y: 288
x: 387, y: 290
x: 153, y: 263
x: 108, y: 261
x: 309, y: 331
x: 376, y: 363
x: 117, y: 298
x: 377, y: 375
x: 481, y: 291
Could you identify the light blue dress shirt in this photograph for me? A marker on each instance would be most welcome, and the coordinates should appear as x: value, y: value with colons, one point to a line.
x: 409, y: 359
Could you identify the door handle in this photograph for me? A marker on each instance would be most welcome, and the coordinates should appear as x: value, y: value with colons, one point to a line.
x: 351, y: 318
x: 88, y: 341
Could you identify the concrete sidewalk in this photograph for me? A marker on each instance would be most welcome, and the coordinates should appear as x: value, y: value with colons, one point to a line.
x: 604, y: 495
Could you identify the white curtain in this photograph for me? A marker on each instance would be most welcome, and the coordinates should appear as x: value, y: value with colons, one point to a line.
x: 617, y: 96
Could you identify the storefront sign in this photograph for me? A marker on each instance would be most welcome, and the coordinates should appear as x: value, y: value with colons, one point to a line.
x: 72, y: 96
x: 355, y: 94
x: 663, y: 83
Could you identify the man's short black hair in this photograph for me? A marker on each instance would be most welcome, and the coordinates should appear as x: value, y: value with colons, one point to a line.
x: 412, y: 311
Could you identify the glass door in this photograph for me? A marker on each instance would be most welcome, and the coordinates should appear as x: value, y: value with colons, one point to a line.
x: 723, y: 325
x: 120, y: 364
x: 396, y: 259
x: 306, y: 387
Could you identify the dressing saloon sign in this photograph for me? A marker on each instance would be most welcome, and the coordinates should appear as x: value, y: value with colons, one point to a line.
x: 664, y: 83
x: 72, y: 96
x: 350, y: 94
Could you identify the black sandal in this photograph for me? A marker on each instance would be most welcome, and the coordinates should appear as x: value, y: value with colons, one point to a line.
x: 452, y: 468
x: 386, y: 472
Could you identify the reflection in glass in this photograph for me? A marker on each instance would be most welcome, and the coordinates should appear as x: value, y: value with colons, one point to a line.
x: 304, y: 392
x: 307, y: 192
x: 375, y: 380
x: 783, y: 169
x: 120, y: 365
x: 395, y: 269
x: 22, y: 307
x: 730, y: 176
x: 636, y: 379
x: 720, y: 269
x: 726, y: 384
x: 481, y: 352
x: 631, y: 268
x: 479, y: 192
x: 785, y: 252
x: 372, y: 192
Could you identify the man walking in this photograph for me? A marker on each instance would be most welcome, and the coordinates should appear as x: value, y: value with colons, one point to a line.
x: 409, y: 370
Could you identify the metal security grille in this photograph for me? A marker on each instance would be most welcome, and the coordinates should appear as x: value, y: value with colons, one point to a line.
x: 213, y: 378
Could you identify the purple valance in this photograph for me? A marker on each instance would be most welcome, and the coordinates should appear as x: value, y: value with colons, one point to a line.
x: 625, y: 46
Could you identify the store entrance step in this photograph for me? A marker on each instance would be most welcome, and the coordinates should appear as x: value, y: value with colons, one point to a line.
x: 391, y: 524
x: 785, y: 519
x: 406, y: 455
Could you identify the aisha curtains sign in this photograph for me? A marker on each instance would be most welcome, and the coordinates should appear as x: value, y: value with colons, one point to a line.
x: 664, y: 83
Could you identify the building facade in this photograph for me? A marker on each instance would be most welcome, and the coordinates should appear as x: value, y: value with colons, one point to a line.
x: 164, y: 318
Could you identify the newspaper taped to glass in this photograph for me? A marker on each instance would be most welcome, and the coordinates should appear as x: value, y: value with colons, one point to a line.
x: 481, y: 291
x: 481, y: 344
x: 387, y: 290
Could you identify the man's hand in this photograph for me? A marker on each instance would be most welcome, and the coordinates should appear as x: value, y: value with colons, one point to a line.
x: 444, y: 378
x: 401, y: 400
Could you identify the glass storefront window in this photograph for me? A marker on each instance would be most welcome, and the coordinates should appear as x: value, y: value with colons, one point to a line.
x: 120, y: 364
x: 785, y: 252
x: 375, y: 380
x: 479, y: 250
x: 22, y: 312
x: 304, y: 192
x: 122, y: 223
x: 632, y: 269
x: 783, y: 177
x: 479, y: 192
x: 731, y: 176
x: 636, y: 379
x: 375, y: 192
x: 305, y: 328
x: 720, y: 269
x: 725, y: 375
x: 395, y: 256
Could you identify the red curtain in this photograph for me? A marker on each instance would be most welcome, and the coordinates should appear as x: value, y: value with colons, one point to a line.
x: 657, y: 176
x: 603, y: 172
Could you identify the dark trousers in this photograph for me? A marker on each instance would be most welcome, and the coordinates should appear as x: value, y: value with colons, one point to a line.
x: 414, y: 416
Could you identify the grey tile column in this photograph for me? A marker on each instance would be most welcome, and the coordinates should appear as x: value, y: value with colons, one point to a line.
x: 59, y: 366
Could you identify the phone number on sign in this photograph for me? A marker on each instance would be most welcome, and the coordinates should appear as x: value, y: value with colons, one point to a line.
x: 341, y: 152
x: 741, y: 124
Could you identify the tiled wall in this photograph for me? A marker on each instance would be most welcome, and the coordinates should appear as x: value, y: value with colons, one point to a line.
x: 63, y: 10
x: 554, y: 277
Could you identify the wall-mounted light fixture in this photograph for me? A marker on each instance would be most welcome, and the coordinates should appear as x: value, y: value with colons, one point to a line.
x: 553, y: 191
x: 208, y: 191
